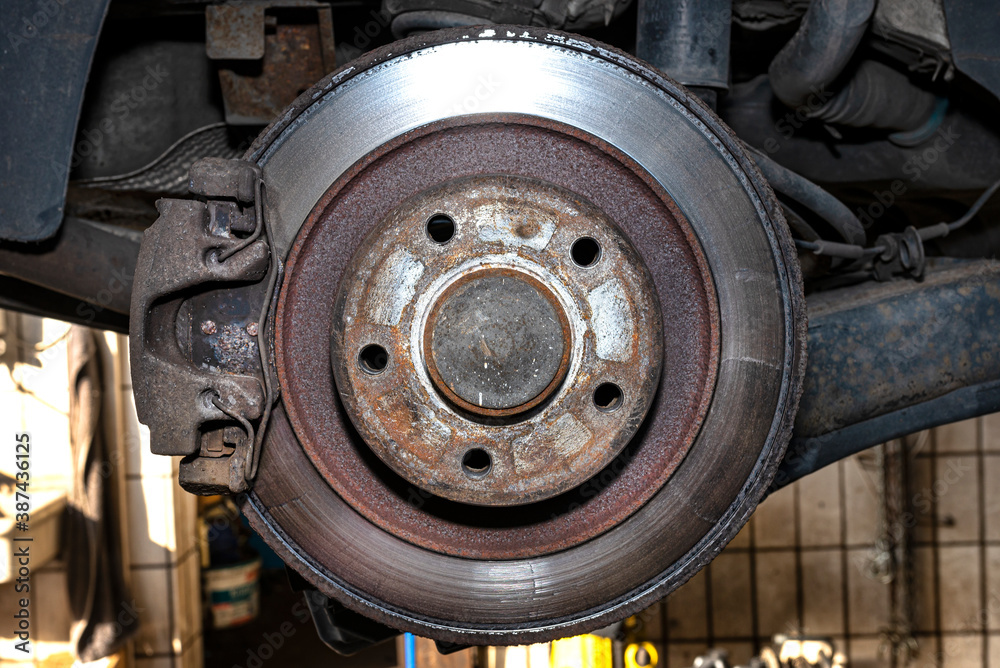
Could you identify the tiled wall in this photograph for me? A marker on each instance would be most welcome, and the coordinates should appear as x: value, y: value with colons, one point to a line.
x: 804, y: 563
x: 159, y: 519
x: 163, y: 548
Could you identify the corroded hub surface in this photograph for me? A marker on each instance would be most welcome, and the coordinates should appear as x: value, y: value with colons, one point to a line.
x: 497, y: 342
x: 497, y: 335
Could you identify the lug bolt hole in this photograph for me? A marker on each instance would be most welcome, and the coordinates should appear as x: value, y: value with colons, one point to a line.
x: 440, y: 228
x: 476, y: 463
x: 585, y: 252
x: 373, y: 359
x: 608, y: 397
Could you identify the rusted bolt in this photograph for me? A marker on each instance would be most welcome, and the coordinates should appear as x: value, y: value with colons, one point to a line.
x: 252, y: 328
x: 208, y: 327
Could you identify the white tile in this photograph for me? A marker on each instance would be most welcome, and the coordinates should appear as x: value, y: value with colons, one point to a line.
x: 861, y: 500
x: 187, y: 597
x: 139, y: 459
x: 46, y: 371
x: 777, y: 609
x: 956, y: 490
x: 151, y: 532
x: 962, y: 651
x: 9, y: 606
x: 959, y: 586
x: 868, y: 599
x: 740, y: 653
x: 51, y: 463
x: 686, y: 611
x: 822, y: 592
x: 865, y: 653
x: 991, y: 432
x: 12, y: 418
x: 993, y: 645
x: 185, y: 518
x: 731, y: 606
x: 152, y: 594
x: 774, y: 519
x: 991, y: 497
x: 684, y: 653
x: 121, y: 341
x: 819, y: 507
x: 650, y: 626
x: 957, y: 437
x: 7, y: 383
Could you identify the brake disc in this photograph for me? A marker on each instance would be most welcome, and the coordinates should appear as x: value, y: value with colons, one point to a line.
x: 539, y: 337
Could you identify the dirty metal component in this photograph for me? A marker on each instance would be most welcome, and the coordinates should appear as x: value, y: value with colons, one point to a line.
x: 201, y: 381
x: 497, y: 338
x: 889, y: 359
x: 596, y: 173
x: 497, y: 342
x: 723, y: 269
x: 269, y: 51
x: 235, y: 31
x: 25, y: 297
x: 688, y: 40
x: 102, y: 258
x: 903, y: 255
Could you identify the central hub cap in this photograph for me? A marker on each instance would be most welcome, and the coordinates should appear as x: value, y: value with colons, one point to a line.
x: 497, y: 342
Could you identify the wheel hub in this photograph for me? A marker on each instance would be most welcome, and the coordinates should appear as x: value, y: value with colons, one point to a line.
x: 521, y: 335
x: 497, y: 342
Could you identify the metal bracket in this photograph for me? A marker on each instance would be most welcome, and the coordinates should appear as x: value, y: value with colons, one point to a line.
x: 210, y: 409
x: 268, y: 51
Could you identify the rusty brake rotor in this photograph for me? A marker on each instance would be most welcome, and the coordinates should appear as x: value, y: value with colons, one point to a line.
x: 485, y: 436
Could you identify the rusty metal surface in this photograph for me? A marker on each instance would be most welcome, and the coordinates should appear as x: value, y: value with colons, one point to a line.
x: 879, y: 347
x: 709, y: 495
x: 497, y: 342
x: 889, y: 359
x: 296, y: 51
x: 516, y: 231
x: 535, y: 150
x: 234, y: 32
